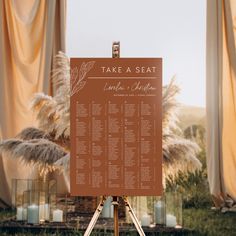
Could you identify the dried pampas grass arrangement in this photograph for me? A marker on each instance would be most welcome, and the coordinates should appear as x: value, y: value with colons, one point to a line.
x: 178, y: 153
x: 37, y: 152
x: 33, y: 151
x: 32, y: 133
x: 53, y: 113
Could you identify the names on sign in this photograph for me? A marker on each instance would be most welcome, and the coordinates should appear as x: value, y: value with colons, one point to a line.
x: 116, y: 131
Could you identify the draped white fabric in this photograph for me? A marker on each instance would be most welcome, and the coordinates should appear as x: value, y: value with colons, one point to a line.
x: 221, y: 99
x: 31, y: 32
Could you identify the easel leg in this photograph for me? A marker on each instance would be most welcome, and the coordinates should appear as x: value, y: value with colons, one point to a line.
x: 95, y: 217
x: 116, y: 218
x: 115, y: 203
x: 133, y: 217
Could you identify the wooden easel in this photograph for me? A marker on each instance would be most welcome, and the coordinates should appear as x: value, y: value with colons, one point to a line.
x: 115, y: 199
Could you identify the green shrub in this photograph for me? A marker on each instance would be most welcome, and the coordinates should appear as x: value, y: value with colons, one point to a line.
x: 193, y: 187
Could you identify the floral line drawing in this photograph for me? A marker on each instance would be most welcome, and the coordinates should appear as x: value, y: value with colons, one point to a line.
x: 78, y: 83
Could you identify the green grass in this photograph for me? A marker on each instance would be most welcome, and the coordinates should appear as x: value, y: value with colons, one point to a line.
x: 6, y: 214
x: 203, y: 221
x: 209, y: 222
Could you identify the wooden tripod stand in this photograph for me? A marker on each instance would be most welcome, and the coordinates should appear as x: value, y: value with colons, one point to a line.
x: 115, y: 203
x: 115, y: 199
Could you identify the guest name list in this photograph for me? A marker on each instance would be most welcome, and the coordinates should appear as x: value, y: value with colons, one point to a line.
x: 116, y: 126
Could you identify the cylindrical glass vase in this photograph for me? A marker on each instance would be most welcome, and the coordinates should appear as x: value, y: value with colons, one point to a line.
x: 33, y: 207
x: 18, y: 188
x: 143, y: 209
x: 173, y: 209
x: 108, y: 208
x: 160, y: 210
x: 30, y: 194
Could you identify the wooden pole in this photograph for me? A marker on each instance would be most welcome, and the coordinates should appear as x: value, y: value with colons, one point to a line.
x: 116, y: 50
x: 116, y: 54
x: 115, y: 203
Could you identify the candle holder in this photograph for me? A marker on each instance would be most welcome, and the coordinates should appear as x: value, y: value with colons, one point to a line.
x: 160, y: 210
x: 108, y: 209
x: 37, y: 206
x: 143, y: 209
x: 33, y: 207
x: 58, y: 208
x: 25, y: 205
x: 150, y: 209
x: 18, y: 188
x: 62, y: 207
x: 30, y: 196
x: 173, y: 209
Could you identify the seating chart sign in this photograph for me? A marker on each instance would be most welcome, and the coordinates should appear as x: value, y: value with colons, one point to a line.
x: 116, y: 126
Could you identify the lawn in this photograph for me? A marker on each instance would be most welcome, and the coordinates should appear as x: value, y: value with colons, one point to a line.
x: 203, y: 221
x: 210, y: 222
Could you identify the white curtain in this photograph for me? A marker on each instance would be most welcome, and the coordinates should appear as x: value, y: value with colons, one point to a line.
x: 31, y: 32
x: 221, y: 99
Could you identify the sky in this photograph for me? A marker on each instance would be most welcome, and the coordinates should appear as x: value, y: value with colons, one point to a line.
x: 172, y: 29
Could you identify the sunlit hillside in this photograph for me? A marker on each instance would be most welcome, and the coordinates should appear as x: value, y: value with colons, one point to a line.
x: 191, y: 115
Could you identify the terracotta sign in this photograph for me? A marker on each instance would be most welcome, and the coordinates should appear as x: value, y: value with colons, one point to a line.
x: 116, y: 126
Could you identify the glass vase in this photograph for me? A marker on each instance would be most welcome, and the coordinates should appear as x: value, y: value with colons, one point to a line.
x: 173, y: 209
